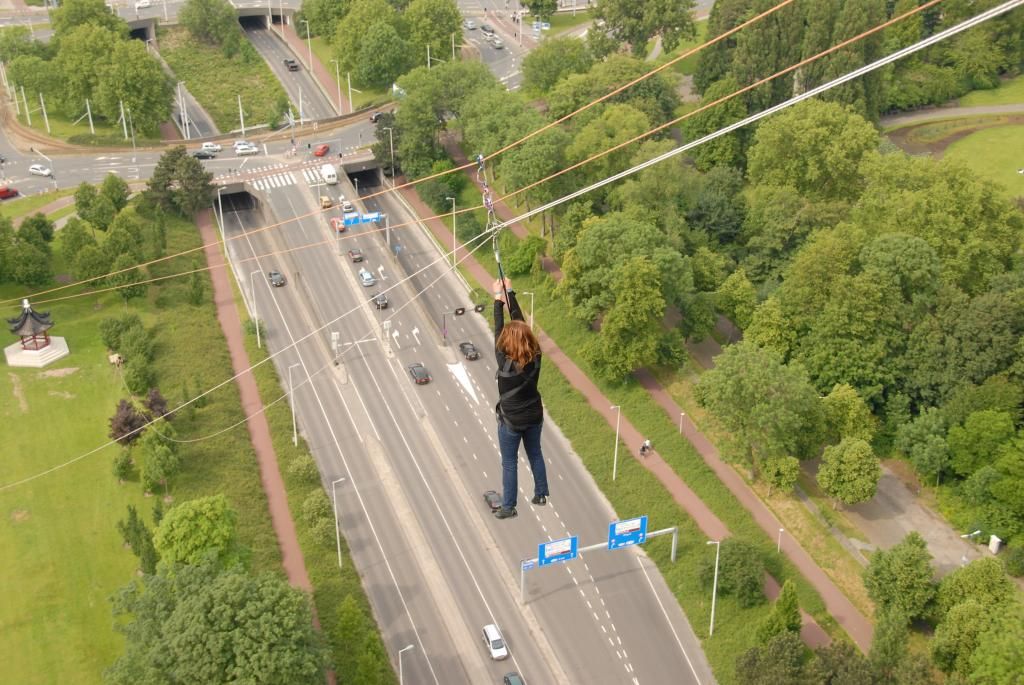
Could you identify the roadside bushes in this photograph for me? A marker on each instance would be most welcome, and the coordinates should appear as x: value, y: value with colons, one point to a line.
x: 127, y: 336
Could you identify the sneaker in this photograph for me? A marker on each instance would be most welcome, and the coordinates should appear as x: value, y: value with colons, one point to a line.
x: 540, y: 500
x: 504, y: 513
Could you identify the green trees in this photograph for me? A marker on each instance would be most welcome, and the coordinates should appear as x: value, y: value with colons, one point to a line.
x: 785, y: 616
x: 433, y: 23
x: 635, y: 23
x: 133, y: 78
x: 199, y: 530
x: 849, y: 471
x: 740, y: 572
x: 900, y: 579
x: 553, y: 60
x: 204, y: 624
x: 769, y: 409
x: 815, y: 147
x: 214, y: 22
x: 180, y: 183
x: 383, y: 56
x: 779, y: 662
x: 542, y: 9
x: 361, y: 16
x: 74, y: 13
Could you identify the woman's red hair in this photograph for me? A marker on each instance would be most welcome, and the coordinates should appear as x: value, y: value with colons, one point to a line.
x: 518, y: 343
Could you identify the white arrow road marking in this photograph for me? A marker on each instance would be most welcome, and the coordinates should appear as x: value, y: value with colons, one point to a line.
x: 462, y: 376
x: 380, y: 270
x: 394, y: 334
x: 416, y: 334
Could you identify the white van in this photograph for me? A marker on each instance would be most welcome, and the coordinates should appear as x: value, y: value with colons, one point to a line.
x: 329, y: 174
x: 210, y: 147
x: 495, y: 644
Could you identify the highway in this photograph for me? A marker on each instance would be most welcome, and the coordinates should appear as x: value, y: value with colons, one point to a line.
x: 299, y: 85
x: 416, y: 459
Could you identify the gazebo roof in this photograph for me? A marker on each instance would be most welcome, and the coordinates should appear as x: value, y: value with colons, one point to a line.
x: 30, y: 322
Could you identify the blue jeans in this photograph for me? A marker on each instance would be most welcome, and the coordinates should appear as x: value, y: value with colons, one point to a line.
x: 508, y: 444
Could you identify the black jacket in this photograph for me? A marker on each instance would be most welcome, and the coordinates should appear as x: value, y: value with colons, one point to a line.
x: 519, y: 404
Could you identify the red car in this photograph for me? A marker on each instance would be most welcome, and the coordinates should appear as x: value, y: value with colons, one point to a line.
x: 8, y: 192
x: 321, y: 150
x: 338, y: 224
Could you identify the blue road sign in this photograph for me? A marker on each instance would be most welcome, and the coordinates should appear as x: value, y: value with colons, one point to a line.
x: 557, y: 550
x: 536, y: 26
x: 628, y: 532
x: 371, y: 217
x: 528, y: 564
x: 350, y: 218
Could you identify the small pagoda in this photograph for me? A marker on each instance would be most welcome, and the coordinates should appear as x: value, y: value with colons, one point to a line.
x: 37, y: 348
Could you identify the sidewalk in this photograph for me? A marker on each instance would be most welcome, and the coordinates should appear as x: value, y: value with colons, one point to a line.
x: 259, y: 431
x: 322, y: 77
x: 812, y: 634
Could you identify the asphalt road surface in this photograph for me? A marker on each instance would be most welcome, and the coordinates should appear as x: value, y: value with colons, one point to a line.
x: 416, y: 459
x: 298, y: 84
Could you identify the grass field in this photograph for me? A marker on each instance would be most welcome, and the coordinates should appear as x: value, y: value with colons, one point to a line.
x: 1010, y: 92
x: 217, y: 81
x: 107, y: 134
x: 688, y: 65
x: 995, y: 153
x: 63, y: 556
x: 23, y: 206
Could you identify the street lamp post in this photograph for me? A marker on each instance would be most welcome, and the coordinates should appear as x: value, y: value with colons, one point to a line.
x: 400, y: 652
x: 455, y: 238
x: 531, y: 308
x: 337, y: 81
x: 714, y: 586
x: 778, y: 547
x: 337, y: 523
x: 615, y: 459
x: 681, y: 415
x: 252, y: 286
x: 291, y: 397
x: 309, y: 45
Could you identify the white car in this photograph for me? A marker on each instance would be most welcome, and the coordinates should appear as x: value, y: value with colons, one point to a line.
x: 211, y: 147
x: 39, y: 170
x: 248, y: 150
x: 242, y: 143
x: 143, y: 4
x: 347, y: 206
x: 495, y: 644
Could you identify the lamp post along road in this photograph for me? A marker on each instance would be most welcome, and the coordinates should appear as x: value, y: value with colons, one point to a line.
x: 778, y: 547
x: 714, y: 586
x: 337, y: 81
x: 391, y: 145
x: 252, y: 286
x: 291, y: 398
x: 531, y: 308
x: 309, y: 45
x: 455, y: 238
x: 615, y: 459
x: 337, y: 523
x: 401, y: 680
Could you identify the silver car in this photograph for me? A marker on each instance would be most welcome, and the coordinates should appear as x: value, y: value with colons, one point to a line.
x: 366, y: 278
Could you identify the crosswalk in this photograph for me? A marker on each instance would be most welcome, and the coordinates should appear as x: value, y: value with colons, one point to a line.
x: 278, y: 176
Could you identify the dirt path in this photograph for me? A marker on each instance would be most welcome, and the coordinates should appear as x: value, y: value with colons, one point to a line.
x: 812, y: 634
x: 259, y: 430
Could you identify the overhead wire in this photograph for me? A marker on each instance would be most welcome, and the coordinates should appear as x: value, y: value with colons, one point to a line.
x: 393, y: 188
x: 888, y: 59
x: 480, y: 160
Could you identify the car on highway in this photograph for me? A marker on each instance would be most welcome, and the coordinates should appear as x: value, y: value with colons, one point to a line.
x: 492, y: 499
x: 366, y: 278
x: 495, y: 644
x: 497, y: 44
x: 143, y: 4
x: 245, y: 151
x: 211, y: 147
x: 321, y: 150
x: 347, y: 206
x: 355, y: 254
x: 242, y: 143
x: 291, y: 64
x: 381, y: 300
x: 7, y: 192
x: 469, y: 24
x: 512, y: 678
x: 419, y: 373
x: 204, y: 154
x: 469, y: 350
x: 338, y: 224
x: 276, y: 278
x: 375, y: 117
x: 487, y: 30
x: 40, y: 170
x: 326, y: 202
